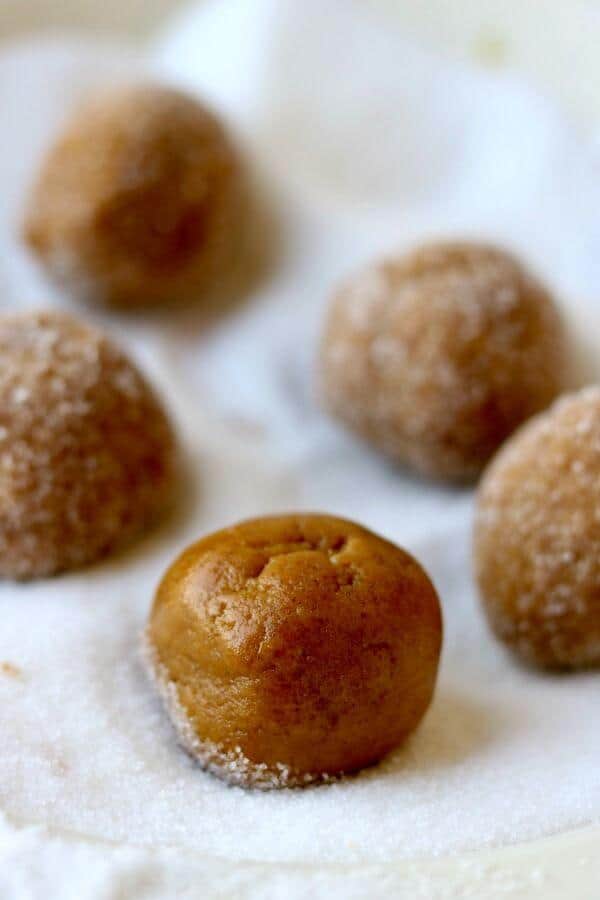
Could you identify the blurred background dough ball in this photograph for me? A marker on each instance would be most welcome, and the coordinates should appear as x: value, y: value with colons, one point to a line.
x: 537, y: 536
x: 87, y: 455
x: 293, y: 648
x: 141, y: 200
x: 437, y: 356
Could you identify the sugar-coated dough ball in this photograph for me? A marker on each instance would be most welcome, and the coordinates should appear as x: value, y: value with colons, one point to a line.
x: 86, y: 451
x: 537, y: 537
x: 140, y: 201
x: 436, y: 357
x: 294, y: 648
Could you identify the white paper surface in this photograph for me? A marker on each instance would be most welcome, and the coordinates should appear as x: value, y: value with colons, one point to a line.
x: 365, y: 144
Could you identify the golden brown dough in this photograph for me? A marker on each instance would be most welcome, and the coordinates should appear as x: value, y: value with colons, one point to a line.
x: 436, y: 357
x: 86, y: 451
x: 294, y: 648
x: 140, y: 201
x: 537, y: 537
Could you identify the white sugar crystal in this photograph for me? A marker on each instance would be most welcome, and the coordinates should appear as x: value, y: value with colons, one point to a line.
x: 20, y: 395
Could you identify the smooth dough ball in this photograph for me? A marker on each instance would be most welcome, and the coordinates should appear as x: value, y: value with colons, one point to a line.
x: 292, y: 649
x: 537, y: 537
x: 87, y: 455
x: 140, y: 202
x: 436, y: 357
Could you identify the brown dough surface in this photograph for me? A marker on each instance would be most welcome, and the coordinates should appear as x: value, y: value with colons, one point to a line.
x: 87, y: 455
x: 293, y: 648
x: 436, y: 357
x: 140, y: 201
x: 537, y: 537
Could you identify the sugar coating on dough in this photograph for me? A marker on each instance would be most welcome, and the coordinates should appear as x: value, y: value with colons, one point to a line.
x: 87, y: 454
x: 140, y: 201
x: 537, y: 536
x: 231, y: 766
x: 292, y: 649
x: 436, y: 357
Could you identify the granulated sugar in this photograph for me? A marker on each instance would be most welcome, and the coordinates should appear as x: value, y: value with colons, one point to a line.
x: 503, y: 754
x: 80, y: 424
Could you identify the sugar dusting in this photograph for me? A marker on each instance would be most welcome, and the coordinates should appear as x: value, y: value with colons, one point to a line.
x: 537, y: 536
x: 438, y: 355
x: 232, y: 766
x: 86, y: 451
x: 139, y: 202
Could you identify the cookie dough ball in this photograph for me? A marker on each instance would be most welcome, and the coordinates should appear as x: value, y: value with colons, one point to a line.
x: 537, y: 537
x: 436, y: 357
x: 294, y: 648
x: 140, y: 201
x: 86, y: 451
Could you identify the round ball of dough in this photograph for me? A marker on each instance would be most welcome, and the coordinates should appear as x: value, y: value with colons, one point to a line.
x: 537, y: 537
x: 436, y: 357
x: 140, y: 201
x: 86, y: 451
x: 294, y: 648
